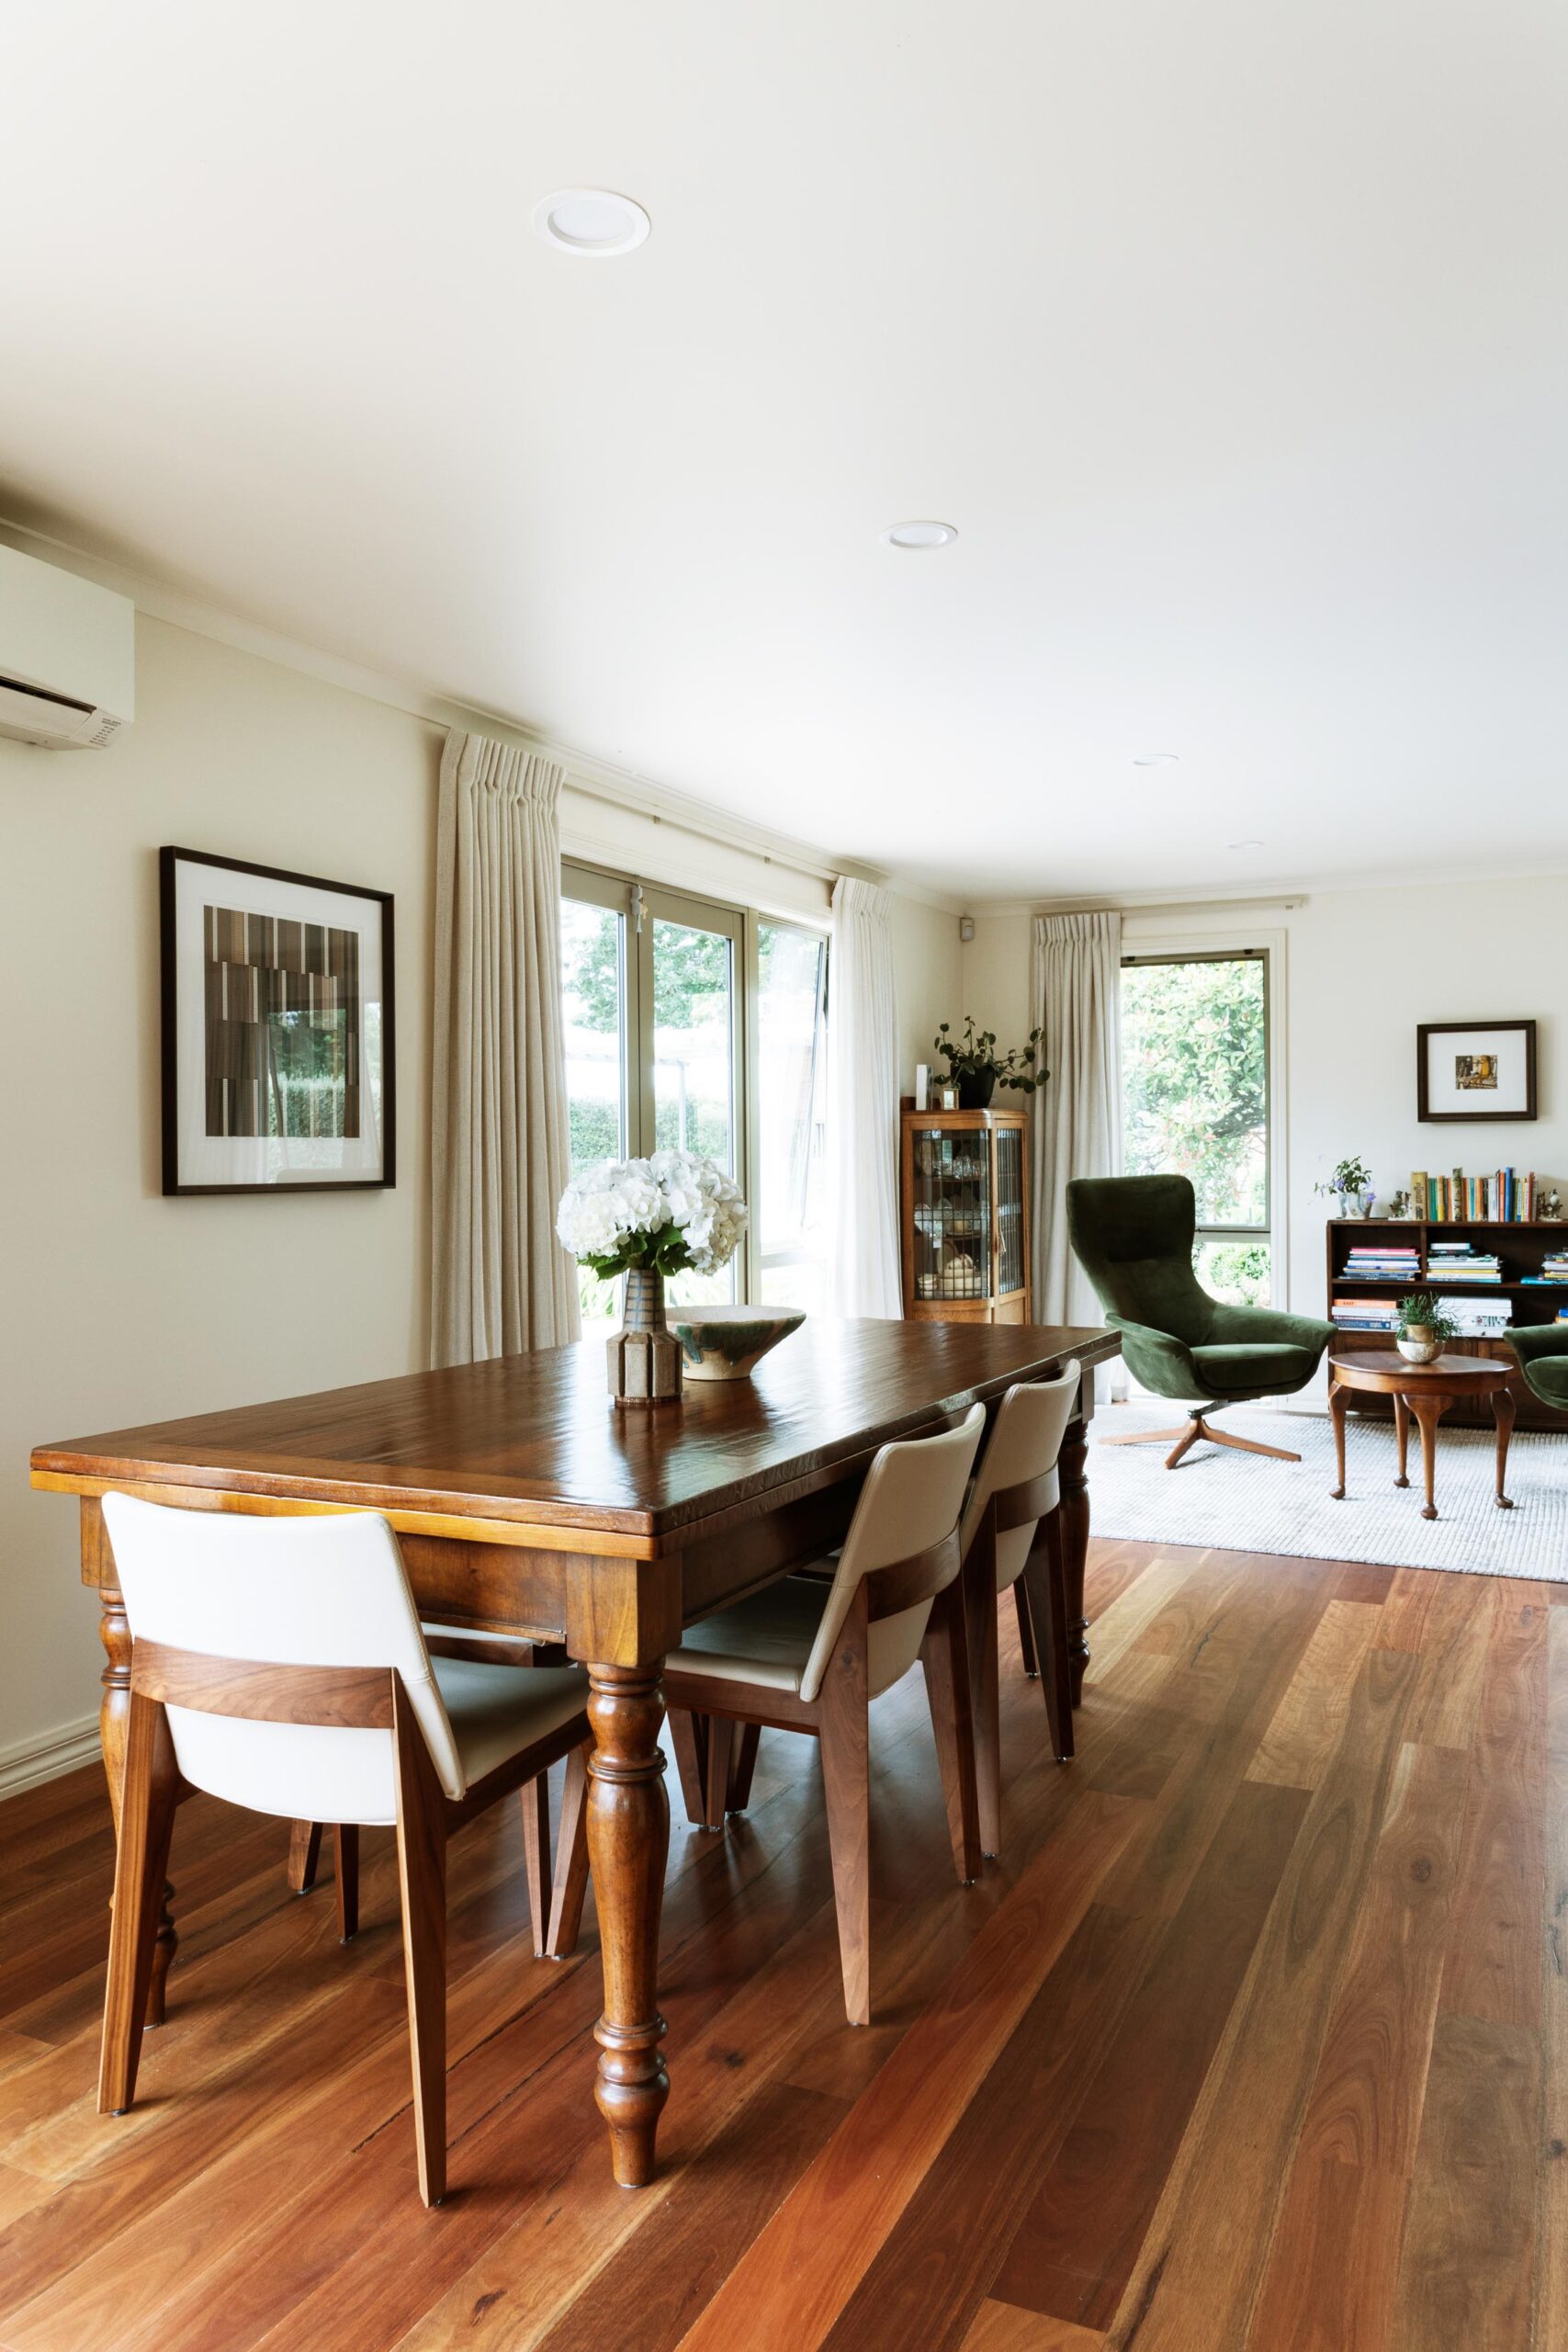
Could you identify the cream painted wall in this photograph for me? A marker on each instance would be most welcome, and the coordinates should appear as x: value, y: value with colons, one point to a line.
x: 1361, y: 968
x: 121, y: 1306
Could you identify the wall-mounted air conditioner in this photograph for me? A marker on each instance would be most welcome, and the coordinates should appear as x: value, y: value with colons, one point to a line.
x: 67, y: 656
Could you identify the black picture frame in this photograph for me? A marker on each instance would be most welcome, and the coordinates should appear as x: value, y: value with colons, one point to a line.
x: 170, y: 859
x: 1429, y: 1029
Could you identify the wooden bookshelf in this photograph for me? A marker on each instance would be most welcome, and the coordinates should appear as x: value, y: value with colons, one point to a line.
x: 1520, y: 1245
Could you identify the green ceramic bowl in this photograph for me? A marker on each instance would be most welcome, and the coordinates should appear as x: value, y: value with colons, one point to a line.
x: 728, y: 1342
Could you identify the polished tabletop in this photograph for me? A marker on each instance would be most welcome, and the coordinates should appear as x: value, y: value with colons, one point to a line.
x: 536, y: 1437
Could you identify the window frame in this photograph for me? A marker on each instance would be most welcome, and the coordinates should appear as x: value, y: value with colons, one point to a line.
x: 1268, y: 947
x: 641, y: 905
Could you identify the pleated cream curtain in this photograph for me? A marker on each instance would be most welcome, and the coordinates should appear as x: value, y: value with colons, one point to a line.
x: 1076, y: 992
x: 500, y: 1280
x: 863, y: 1099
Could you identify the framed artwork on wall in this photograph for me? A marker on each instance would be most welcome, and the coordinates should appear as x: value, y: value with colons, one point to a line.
x: 279, y: 1044
x: 1475, y: 1069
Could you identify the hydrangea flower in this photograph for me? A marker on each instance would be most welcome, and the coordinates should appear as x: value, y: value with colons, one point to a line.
x: 669, y: 1211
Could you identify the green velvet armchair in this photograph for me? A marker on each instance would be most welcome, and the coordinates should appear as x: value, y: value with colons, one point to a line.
x: 1133, y: 1238
x: 1542, y: 1351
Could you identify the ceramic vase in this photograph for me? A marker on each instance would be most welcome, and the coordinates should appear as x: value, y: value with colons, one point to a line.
x: 1419, y: 1344
x: 645, y: 1355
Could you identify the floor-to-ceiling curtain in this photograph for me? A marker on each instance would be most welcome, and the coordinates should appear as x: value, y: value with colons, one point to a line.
x: 1075, y: 990
x: 862, y: 1060
x: 500, y: 1280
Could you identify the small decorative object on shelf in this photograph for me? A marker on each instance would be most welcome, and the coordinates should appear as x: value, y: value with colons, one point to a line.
x: 977, y: 1068
x: 1399, y: 1207
x: 646, y: 1219
x: 1350, y: 1188
x: 1425, y: 1327
x: 1551, y: 1207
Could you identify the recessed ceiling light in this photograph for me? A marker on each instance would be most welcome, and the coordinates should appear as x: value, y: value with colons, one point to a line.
x: 915, y: 537
x: 590, y: 222
x: 1243, y: 845
x: 1157, y: 759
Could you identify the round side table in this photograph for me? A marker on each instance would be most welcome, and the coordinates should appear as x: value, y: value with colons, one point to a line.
x: 1423, y: 1389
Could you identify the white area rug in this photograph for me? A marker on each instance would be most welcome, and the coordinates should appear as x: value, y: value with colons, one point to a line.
x: 1246, y: 1503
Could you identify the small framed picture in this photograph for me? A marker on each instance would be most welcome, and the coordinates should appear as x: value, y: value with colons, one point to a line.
x: 1475, y: 1069
x: 279, y: 1043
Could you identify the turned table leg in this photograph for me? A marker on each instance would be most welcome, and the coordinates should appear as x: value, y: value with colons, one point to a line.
x: 628, y: 1837
x: 1502, y: 1414
x: 1429, y: 1412
x: 1338, y: 1404
x: 1074, y: 1509
x: 1402, y: 1437
x: 114, y: 1721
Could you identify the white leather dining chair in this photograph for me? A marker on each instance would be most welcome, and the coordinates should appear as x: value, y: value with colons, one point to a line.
x: 279, y: 1662
x: 1016, y: 1499
x: 810, y: 1655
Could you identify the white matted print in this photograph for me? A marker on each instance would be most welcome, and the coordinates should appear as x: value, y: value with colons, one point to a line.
x: 1485, y: 1071
x: 278, y: 1059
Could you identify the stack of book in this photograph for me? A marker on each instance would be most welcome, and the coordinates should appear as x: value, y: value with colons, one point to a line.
x: 1369, y: 1264
x: 1461, y: 1261
x: 1481, y: 1318
x: 1365, y: 1314
x: 1553, y: 1268
x: 1506, y: 1198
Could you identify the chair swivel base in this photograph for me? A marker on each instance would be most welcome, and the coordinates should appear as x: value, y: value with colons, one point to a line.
x: 1196, y: 1427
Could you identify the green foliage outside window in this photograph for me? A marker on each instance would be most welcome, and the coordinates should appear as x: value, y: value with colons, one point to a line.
x: 1195, y: 1082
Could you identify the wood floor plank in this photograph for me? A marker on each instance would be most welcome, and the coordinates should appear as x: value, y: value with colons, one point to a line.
x: 1201, y: 2263
x: 1307, y: 1722
x: 1003, y: 2327
x: 1464, y: 2279
x: 1447, y: 1621
x: 1092, y: 2209
x: 1493, y: 1965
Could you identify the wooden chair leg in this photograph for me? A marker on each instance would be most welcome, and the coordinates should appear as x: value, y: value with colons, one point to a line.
x: 742, y: 1764
x: 304, y: 1853
x: 345, y: 1845
x: 1044, y: 1581
x: 146, y: 1825
x: 715, y: 1770
x: 1025, y: 1633
x: 689, y: 1736
x: 944, y: 1654
x: 571, y: 1858
x: 534, y: 1800
x: 844, y: 1725
x: 421, y: 1876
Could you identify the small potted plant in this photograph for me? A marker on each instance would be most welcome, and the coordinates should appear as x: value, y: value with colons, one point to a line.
x: 1425, y: 1327
x: 1350, y: 1188
x: 976, y: 1067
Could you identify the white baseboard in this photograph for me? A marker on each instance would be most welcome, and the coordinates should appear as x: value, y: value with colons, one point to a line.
x: 30, y: 1762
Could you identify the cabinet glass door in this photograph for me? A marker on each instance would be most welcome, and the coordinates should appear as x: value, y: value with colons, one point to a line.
x: 952, y: 1213
x: 1010, y: 1209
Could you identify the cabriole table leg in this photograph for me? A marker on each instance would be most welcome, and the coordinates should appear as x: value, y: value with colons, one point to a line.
x: 628, y: 1837
x: 1502, y: 1414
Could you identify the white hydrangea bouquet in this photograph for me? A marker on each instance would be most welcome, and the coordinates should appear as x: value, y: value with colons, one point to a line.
x: 646, y: 1219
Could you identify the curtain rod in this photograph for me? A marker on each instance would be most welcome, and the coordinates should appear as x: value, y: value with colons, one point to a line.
x: 1171, y: 906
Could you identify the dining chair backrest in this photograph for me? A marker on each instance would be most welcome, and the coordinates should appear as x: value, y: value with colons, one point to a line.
x: 908, y: 1506
x: 1023, y: 1448
x: 287, y: 1591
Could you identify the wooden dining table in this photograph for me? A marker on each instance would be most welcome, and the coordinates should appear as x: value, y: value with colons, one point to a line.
x: 527, y: 1503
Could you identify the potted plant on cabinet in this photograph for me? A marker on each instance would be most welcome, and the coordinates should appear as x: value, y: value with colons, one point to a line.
x: 976, y: 1067
x: 1351, y: 1183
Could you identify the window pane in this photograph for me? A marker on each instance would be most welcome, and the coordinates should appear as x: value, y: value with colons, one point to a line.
x: 1240, y: 1271
x: 593, y: 997
x: 1195, y: 1082
x: 792, y: 1100
x: 693, y: 1065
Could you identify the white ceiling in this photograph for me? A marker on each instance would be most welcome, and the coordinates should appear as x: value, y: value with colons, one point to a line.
x: 1232, y: 338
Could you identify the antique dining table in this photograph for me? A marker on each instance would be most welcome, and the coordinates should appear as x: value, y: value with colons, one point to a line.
x: 527, y: 1503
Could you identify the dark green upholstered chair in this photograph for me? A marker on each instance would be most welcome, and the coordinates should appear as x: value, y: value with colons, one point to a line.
x: 1133, y: 1238
x: 1542, y: 1351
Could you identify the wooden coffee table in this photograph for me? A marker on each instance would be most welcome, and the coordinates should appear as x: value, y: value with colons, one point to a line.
x: 1423, y: 1389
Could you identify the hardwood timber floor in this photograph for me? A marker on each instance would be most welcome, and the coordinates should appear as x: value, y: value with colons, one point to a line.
x: 1255, y: 2040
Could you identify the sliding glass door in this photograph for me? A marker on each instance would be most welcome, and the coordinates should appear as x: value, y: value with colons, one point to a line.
x: 1195, y: 1102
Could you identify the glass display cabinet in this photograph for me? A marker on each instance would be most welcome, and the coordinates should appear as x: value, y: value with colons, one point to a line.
x: 964, y: 1215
